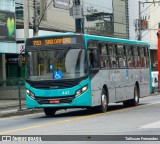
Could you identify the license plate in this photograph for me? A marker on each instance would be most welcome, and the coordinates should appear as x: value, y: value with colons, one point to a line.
x: 54, y: 101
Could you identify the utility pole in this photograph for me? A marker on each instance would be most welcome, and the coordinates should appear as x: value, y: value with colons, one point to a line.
x: 35, y: 19
x: 139, y: 22
x: 43, y: 14
x: 35, y: 33
x: 26, y: 18
x: 79, y: 22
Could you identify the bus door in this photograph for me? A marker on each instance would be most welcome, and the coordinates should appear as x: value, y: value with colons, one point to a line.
x: 114, y: 71
x: 93, y: 59
x: 121, y: 74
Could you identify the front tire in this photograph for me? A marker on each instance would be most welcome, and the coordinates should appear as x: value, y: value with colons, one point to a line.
x: 50, y: 112
x: 104, y: 102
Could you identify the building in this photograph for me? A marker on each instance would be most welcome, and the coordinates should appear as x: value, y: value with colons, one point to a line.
x: 150, y: 13
x: 154, y: 25
x: 53, y: 19
x: 108, y: 18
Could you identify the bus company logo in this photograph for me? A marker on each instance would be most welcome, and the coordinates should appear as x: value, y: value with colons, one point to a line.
x: 6, y: 138
x: 47, y: 93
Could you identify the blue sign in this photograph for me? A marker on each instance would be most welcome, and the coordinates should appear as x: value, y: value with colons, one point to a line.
x: 57, y: 75
x: 126, y: 73
x: 51, y: 67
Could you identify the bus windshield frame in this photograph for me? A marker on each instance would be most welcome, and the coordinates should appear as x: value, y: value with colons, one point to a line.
x: 57, y: 60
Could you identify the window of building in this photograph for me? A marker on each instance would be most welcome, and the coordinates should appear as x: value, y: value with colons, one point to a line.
x: 7, y: 5
x: 19, y: 10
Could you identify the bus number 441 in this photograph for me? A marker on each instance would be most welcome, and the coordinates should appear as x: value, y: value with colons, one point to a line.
x: 65, y: 92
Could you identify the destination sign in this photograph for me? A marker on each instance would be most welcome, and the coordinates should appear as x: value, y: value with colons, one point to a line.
x: 51, y: 41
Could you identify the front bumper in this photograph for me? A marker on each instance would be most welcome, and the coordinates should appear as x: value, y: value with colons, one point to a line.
x: 83, y: 100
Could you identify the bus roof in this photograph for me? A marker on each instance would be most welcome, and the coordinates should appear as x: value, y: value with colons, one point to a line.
x: 116, y: 40
x: 100, y: 38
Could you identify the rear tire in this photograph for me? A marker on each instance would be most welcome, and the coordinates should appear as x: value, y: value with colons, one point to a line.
x: 50, y: 112
x: 153, y: 89
x: 135, y: 101
x: 104, y: 102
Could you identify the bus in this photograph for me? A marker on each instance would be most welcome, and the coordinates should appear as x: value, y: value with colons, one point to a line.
x: 70, y: 70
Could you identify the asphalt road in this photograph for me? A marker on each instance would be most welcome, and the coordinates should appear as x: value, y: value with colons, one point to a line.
x: 119, y: 120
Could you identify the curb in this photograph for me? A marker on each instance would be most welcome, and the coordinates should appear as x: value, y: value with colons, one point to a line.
x: 11, y: 106
x: 20, y: 113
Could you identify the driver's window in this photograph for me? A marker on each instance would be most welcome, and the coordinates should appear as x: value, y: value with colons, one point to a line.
x: 93, y: 55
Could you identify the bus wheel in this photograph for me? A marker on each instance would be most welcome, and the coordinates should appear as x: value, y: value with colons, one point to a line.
x: 50, y: 112
x: 135, y: 101
x: 104, y: 102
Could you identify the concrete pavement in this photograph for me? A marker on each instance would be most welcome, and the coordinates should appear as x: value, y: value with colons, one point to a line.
x: 12, y: 108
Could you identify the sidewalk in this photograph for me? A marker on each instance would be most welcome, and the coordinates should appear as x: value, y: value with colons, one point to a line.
x: 11, y: 108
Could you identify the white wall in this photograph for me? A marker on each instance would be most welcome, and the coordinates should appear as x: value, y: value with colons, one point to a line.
x: 154, y: 21
x: 20, y: 33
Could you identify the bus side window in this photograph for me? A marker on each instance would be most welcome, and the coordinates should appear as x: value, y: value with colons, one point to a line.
x: 121, y: 56
x: 104, y: 57
x: 136, y: 57
x: 130, y: 59
x: 113, y: 56
x: 143, y: 58
x: 93, y: 58
x: 93, y: 55
x: 146, y: 56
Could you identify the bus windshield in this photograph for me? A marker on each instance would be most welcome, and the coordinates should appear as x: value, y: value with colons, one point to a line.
x: 56, y: 64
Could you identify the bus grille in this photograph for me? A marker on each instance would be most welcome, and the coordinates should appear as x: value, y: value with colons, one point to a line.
x: 46, y: 100
x: 54, y: 85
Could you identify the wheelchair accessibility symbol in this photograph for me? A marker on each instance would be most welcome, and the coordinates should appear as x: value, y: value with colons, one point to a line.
x: 57, y: 75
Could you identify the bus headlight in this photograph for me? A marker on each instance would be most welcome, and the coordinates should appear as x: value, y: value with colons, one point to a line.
x: 31, y: 94
x: 82, y: 90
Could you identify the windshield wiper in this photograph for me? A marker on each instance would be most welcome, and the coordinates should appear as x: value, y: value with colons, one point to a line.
x: 42, y: 55
x: 62, y: 55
